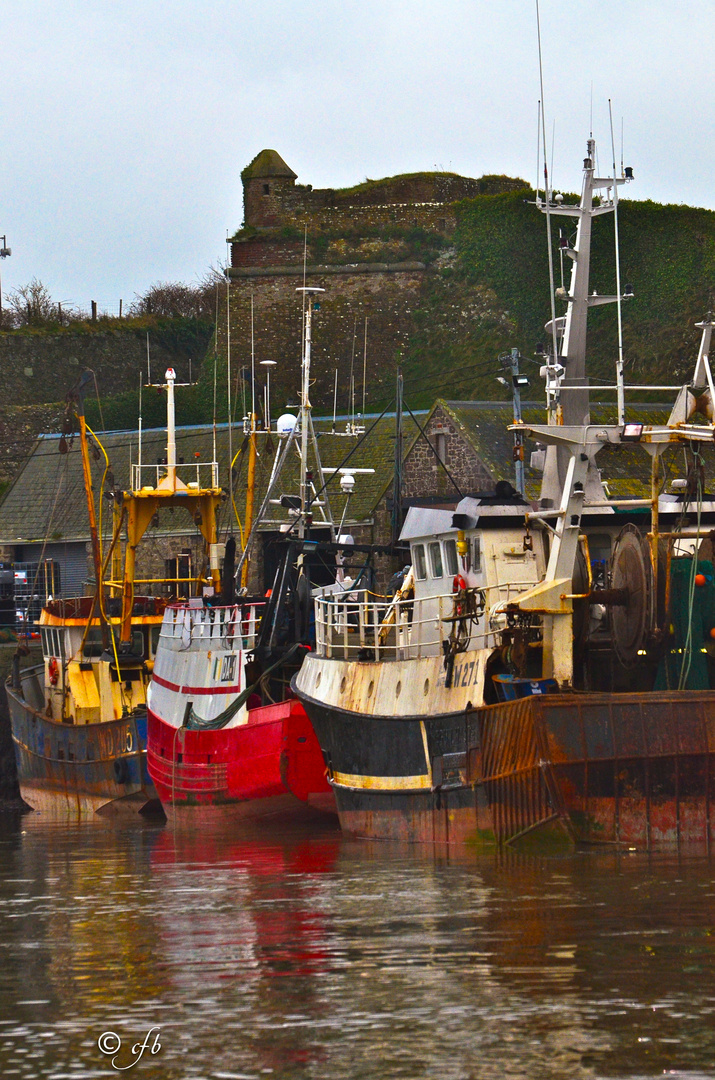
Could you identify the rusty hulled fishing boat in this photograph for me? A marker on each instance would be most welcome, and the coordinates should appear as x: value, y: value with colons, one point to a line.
x: 544, y: 667
x: 226, y: 737
x: 79, y: 719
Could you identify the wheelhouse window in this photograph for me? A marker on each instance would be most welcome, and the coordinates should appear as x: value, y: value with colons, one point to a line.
x: 450, y: 557
x: 435, y: 558
x: 53, y: 642
x: 93, y: 642
x: 419, y: 562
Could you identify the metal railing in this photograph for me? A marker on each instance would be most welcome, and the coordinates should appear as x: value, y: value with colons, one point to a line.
x: 362, y: 625
x: 197, y: 474
x: 234, y: 627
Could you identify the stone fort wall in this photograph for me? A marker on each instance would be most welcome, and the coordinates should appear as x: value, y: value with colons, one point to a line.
x: 372, y: 248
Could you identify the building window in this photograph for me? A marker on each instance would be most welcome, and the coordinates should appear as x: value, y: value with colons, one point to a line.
x: 440, y: 445
x: 435, y: 558
x: 266, y: 189
x: 418, y: 559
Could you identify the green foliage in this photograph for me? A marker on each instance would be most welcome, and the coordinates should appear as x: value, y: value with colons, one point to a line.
x: 246, y: 232
x: 499, y: 272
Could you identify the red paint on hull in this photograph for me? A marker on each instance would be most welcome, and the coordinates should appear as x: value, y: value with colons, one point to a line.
x: 269, y: 765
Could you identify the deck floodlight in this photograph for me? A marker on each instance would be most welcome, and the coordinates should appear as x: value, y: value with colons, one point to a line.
x: 631, y: 433
x: 520, y: 380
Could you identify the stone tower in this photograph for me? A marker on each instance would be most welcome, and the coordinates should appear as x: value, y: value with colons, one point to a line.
x: 267, y: 186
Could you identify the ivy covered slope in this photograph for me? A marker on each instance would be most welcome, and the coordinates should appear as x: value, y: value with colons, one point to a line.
x: 490, y: 293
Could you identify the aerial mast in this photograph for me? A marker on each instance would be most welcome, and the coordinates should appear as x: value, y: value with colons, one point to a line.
x: 305, y: 409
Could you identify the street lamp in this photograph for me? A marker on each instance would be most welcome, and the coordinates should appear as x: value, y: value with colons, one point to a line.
x: 4, y: 252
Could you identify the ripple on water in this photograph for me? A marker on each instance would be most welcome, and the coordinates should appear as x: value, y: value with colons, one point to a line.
x: 311, y: 956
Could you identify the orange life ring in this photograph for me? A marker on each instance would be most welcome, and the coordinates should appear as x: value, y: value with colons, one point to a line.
x: 53, y: 670
x: 459, y: 584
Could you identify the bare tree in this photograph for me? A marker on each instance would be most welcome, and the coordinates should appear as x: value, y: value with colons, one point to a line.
x: 32, y: 305
x: 175, y: 299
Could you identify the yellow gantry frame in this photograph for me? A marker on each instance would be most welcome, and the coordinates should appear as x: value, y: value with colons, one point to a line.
x: 140, y: 508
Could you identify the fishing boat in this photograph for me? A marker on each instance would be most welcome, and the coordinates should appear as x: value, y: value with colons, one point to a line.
x: 544, y: 667
x: 226, y: 736
x: 79, y: 719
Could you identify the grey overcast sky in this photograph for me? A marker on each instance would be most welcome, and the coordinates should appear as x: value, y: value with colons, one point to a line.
x: 125, y: 126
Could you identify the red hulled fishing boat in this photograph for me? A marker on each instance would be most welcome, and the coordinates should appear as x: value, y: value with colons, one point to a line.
x: 225, y: 735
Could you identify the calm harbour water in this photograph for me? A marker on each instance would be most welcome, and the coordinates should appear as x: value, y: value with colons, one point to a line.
x: 302, y: 954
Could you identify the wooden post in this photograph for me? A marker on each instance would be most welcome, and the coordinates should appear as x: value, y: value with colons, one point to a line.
x: 94, y: 311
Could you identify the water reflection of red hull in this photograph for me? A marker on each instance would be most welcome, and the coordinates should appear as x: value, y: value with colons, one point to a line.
x: 268, y: 765
x: 301, y: 851
x: 244, y: 937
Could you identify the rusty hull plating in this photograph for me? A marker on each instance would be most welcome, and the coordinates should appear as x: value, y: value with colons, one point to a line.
x: 637, y: 769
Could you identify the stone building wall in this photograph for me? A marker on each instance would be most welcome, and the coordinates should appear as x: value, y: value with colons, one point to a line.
x: 43, y: 366
x: 387, y: 299
x: 37, y: 369
x: 423, y: 475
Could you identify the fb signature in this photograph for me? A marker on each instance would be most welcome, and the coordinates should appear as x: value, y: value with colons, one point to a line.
x: 110, y: 1045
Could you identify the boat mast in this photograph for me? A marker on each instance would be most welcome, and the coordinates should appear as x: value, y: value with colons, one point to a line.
x: 170, y: 431
x: 89, y: 493
x: 397, y: 472
x: 572, y: 349
x: 250, y: 492
x: 305, y: 409
x: 252, y: 455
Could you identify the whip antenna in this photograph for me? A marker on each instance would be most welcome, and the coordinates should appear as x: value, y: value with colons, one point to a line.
x: 538, y: 147
x: 546, y: 190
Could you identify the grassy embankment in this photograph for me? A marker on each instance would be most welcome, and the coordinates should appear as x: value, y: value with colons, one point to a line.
x: 494, y: 296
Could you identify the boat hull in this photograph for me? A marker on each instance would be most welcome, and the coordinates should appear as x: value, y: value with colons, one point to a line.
x: 633, y: 769
x: 270, y: 765
x: 69, y: 770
